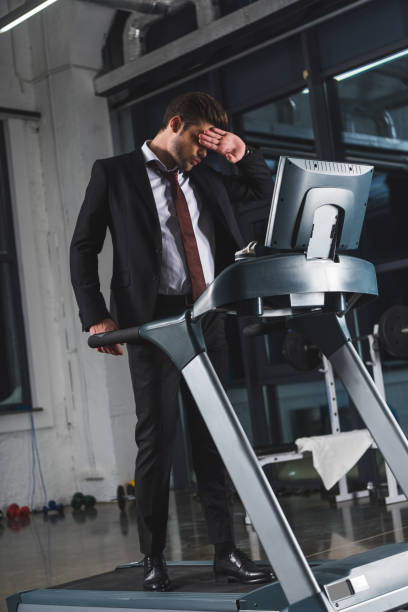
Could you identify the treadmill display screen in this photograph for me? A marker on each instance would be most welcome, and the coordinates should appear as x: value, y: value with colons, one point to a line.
x: 339, y: 590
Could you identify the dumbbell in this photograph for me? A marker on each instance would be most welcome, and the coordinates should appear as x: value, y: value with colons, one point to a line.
x: 15, y: 512
x: 53, y: 507
x: 79, y: 500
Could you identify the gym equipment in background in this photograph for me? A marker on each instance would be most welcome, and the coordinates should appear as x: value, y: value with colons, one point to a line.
x: 14, y: 512
x: 53, y: 508
x: 79, y: 500
x: 390, y: 335
x: 123, y: 498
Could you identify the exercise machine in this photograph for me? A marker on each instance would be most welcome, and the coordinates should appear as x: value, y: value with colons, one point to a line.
x: 290, y: 452
x: 303, y: 275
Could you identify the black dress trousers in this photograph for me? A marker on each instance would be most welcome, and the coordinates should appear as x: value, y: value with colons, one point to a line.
x: 156, y: 382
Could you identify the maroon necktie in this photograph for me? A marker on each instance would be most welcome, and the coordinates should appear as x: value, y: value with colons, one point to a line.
x: 187, y: 233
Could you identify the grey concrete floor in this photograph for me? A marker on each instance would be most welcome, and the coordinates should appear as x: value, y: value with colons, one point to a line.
x: 49, y: 552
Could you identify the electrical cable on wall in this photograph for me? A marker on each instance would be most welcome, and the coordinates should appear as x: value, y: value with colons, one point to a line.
x: 35, y: 460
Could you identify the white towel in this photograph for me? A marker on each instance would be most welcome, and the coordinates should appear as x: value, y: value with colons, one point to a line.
x: 336, y: 454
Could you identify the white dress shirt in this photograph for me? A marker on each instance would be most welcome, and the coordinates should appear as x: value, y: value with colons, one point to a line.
x: 174, y: 275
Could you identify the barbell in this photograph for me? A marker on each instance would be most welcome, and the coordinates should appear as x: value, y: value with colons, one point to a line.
x: 300, y: 352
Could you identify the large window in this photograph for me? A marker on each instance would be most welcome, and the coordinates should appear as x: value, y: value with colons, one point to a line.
x: 288, y: 118
x: 280, y: 127
x: 373, y: 101
x: 14, y: 387
x: 384, y: 233
x: 374, y: 104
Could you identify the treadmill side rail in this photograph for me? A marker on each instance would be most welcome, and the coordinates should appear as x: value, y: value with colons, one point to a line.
x: 274, y: 531
x: 81, y: 600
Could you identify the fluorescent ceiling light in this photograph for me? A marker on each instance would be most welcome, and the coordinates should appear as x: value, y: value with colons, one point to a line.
x: 305, y: 90
x: 384, y: 60
x: 23, y: 12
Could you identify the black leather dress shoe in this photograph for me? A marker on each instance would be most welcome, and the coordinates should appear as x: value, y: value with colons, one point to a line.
x: 155, y: 574
x: 236, y: 566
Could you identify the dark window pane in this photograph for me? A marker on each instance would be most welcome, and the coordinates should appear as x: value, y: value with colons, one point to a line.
x: 256, y: 77
x: 14, y: 385
x: 288, y: 117
x: 171, y: 27
x: 282, y: 127
x: 11, y: 380
x: 384, y: 235
x: 374, y: 106
x: 363, y: 30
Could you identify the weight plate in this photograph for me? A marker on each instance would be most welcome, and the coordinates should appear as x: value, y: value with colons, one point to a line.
x: 299, y: 353
x: 121, y: 497
x: 130, y: 489
x: 392, y: 324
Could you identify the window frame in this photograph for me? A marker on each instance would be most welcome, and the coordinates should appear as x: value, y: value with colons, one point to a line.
x: 8, y: 256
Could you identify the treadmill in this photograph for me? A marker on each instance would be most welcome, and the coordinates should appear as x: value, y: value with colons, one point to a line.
x: 304, y: 275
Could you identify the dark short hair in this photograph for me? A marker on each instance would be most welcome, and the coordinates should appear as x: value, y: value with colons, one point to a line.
x: 195, y: 107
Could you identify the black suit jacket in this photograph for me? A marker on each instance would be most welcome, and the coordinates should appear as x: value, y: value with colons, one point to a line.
x: 119, y: 196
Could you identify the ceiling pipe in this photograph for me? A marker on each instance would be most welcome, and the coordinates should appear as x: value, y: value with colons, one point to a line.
x: 135, y: 34
x: 145, y: 12
x: 206, y: 11
x: 139, y: 22
x: 150, y: 7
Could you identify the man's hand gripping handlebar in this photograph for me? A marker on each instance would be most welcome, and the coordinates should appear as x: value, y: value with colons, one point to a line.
x: 109, y: 340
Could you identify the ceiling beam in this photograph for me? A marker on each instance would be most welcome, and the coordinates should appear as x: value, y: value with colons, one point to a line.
x: 208, y: 35
x: 285, y: 18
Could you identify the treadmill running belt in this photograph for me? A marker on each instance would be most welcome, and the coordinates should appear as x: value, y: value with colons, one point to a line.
x: 186, y: 578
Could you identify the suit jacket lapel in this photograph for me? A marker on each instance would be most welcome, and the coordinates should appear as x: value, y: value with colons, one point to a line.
x: 138, y: 178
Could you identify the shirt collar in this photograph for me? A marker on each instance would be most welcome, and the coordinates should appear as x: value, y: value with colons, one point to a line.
x: 149, y: 156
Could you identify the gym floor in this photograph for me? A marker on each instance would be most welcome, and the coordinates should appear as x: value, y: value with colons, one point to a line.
x: 54, y: 551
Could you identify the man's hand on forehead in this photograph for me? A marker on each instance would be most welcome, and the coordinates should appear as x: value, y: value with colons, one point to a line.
x: 231, y: 146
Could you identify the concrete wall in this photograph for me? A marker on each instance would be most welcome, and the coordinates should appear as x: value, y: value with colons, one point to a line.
x: 85, y: 430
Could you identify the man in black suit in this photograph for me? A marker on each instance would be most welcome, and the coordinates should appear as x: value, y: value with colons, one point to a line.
x: 173, y: 230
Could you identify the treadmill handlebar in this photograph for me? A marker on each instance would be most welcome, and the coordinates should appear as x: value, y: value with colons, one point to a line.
x: 130, y: 335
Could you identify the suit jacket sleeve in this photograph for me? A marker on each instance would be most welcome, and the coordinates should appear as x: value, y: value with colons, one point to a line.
x: 254, y: 181
x: 87, y: 242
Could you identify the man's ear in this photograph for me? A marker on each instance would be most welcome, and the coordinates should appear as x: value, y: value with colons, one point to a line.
x: 175, y: 123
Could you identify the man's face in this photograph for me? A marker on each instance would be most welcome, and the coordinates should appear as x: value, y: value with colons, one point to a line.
x: 184, y: 147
